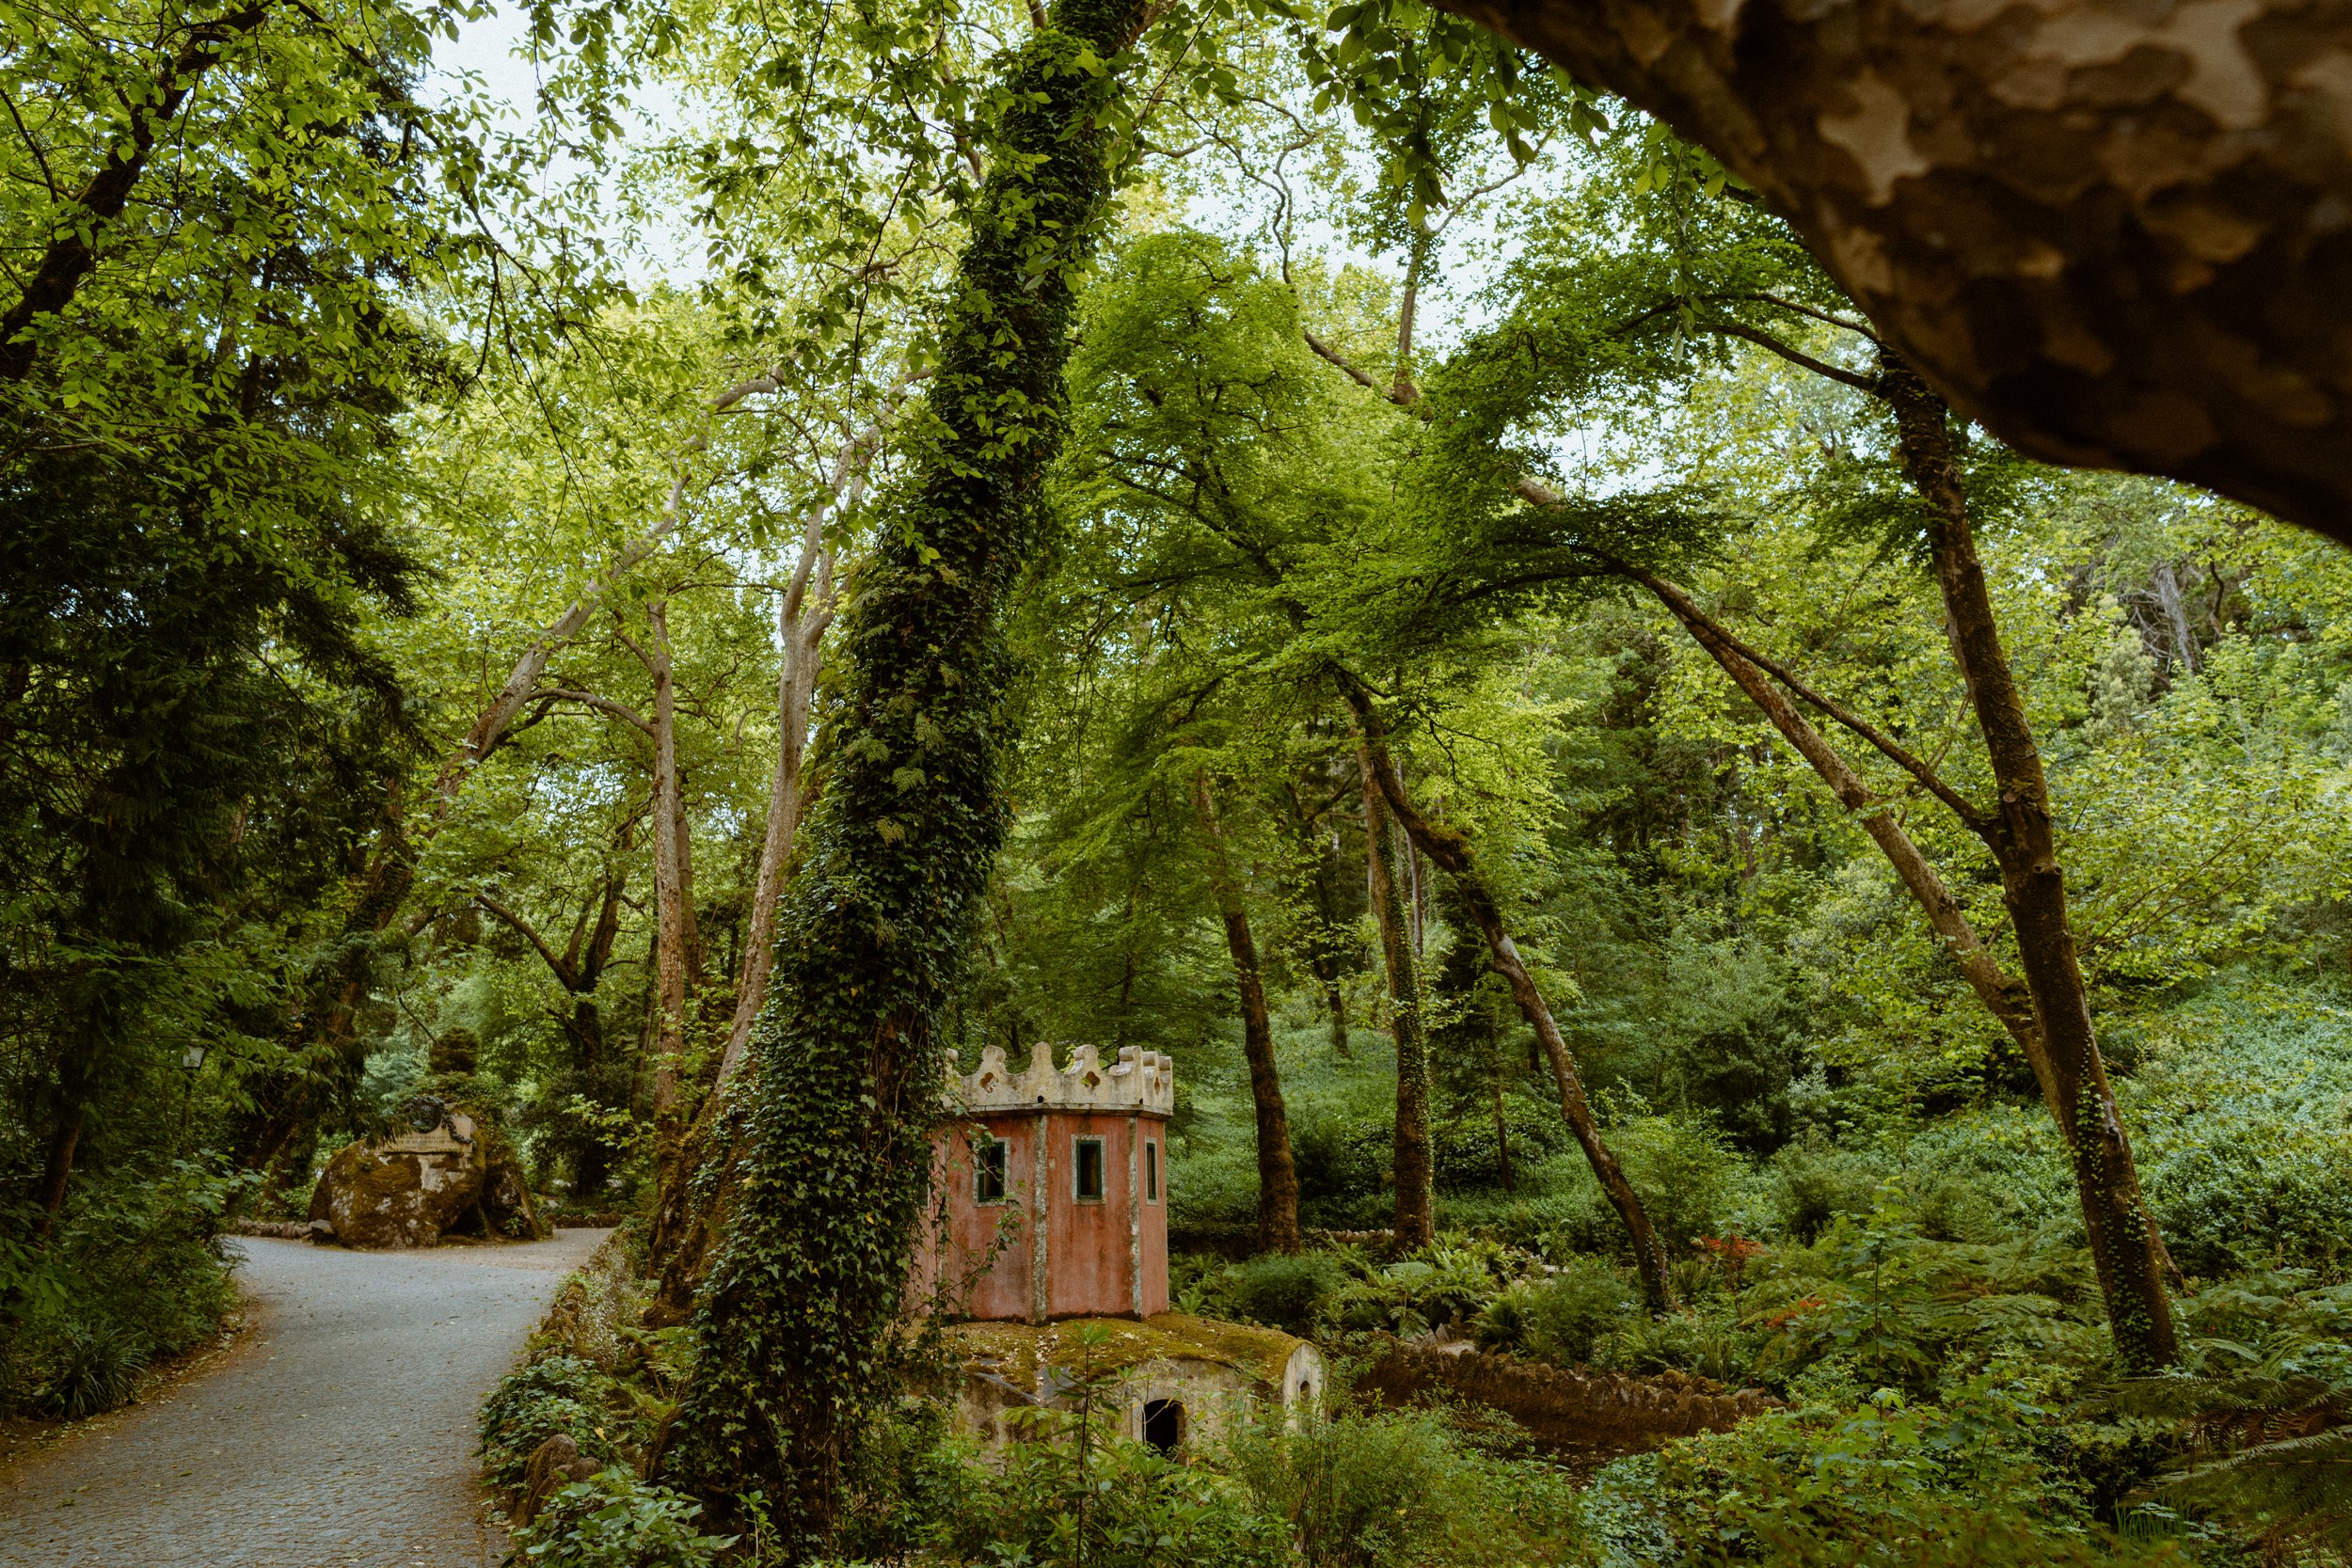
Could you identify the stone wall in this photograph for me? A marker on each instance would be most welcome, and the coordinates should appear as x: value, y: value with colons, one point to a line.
x: 1565, y: 1412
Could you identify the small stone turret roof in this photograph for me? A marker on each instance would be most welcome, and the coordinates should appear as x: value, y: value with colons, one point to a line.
x: 1139, y: 1083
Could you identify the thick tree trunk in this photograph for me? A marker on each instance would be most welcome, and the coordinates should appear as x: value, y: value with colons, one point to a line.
x: 1277, y: 1175
x: 1415, y: 1220
x: 2113, y: 234
x: 1451, y: 851
x: 794, y: 1325
x: 2124, y: 1243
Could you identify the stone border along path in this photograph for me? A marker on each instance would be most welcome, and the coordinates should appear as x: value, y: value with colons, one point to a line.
x: 339, y: 1435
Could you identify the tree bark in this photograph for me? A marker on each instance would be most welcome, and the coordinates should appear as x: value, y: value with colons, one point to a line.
x: 2113, y: 235
x: 802, y: 621
x: 2003, y: 994
x: 2125, y: 1243
x: 669, y: 912
x: 1277, y: 1175
x: 57, y: 1166
x: 1326, y: 940
x: 1415, y: 1221
x: 1451, y: 851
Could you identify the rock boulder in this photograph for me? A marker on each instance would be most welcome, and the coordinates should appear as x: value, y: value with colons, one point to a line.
x: 448, y: 1175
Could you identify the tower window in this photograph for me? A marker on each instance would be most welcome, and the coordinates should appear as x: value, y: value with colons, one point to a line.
x: 1086, y: 1169
x: 990, y: 1160
x: 1151, y: 1171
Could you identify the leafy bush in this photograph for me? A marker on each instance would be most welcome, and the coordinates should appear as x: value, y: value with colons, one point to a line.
x: 1284, y: 1291
x: 1897, y: 1309
x: 133, y: 1274
x: 1443, y: 1283
x: 1469, y: 1157
x: 1560, y: 1318
x: 1891, y: 1482
x: 556, y: 1395
x: 1398, y: 1490
x: 614, y: 1520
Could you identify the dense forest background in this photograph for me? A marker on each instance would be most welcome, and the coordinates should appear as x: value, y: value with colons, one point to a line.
x: 1489, y: 680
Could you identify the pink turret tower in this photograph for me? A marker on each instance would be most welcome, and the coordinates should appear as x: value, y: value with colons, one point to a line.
x: 1054, y: 1188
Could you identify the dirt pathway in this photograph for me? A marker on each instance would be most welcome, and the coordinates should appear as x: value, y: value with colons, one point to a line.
x: 340, y: 1436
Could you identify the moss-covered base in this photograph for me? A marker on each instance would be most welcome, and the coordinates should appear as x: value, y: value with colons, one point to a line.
x: 1212, y: 1372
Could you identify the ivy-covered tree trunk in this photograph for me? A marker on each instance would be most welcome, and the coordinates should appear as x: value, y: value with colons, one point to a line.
x: 2125, y: 1246
x: 796, y: 1324
x: 1277, y: 1173
x: 1415, y: 1221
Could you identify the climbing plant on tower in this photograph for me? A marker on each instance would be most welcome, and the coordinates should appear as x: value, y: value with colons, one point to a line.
x: 795, y: 1321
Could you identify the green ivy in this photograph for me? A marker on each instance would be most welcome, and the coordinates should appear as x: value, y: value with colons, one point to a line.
x: 795, y: 1327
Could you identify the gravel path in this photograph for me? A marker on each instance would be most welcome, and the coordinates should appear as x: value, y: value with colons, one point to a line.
x: 340, y: 1436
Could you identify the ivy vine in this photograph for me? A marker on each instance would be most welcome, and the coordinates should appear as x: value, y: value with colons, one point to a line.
x: 795, y: 1328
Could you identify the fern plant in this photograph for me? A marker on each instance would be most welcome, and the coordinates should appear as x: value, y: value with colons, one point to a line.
x: 2266, y: 1417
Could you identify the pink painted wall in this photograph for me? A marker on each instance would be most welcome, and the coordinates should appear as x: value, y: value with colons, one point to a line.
x: 1098, y: 1252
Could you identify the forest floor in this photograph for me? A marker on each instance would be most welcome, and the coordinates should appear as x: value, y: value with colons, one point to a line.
x: 338, y: 1433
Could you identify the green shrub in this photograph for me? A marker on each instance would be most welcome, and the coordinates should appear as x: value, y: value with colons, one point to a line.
x: 1443, y: 1283
x: 556, y: 1395
x: 1069, y: 1494
x: 1892, y: 1483
x: 1398, y: 1490
x: 614, y: 1520
x: 133, y: 1274
x: 93, y: 1368
x: 1284, y: 1291
x: 1560, y: 1318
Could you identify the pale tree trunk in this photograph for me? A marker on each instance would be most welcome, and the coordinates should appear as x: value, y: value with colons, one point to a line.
x: 1451, y: 851
x: 802, y: 623
x: 1415, y: 1221
x: 390, y: 874
x: 681, y: 1230
x: 2115, y: 235
x: 669, y: 858
x: 1277, y: 1175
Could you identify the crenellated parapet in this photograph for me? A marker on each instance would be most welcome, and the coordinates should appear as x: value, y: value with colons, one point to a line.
x: 1139, y: 1083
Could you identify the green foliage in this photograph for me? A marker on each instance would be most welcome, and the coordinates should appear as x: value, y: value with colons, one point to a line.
x: 1888, y: 1483
x: 1442, y: 1285
x: 133, y: 1276
x: 1282, y: 1291
x: 554, y: 1396
x: 1690, y: 1180
x: 1561, y: 1317
x: 1358, y: 1490
x: 2266, y: 1402
x: 614, y: 1520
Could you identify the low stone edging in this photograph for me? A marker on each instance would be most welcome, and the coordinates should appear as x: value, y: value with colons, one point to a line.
x: 280, y: 1230
x: 1565, y: 1411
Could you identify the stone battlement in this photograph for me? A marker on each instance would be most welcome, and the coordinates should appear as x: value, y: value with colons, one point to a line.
x: 1140, y: 1082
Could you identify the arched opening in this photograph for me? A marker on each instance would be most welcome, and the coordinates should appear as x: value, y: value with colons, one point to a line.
x: 1163, y: 1424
